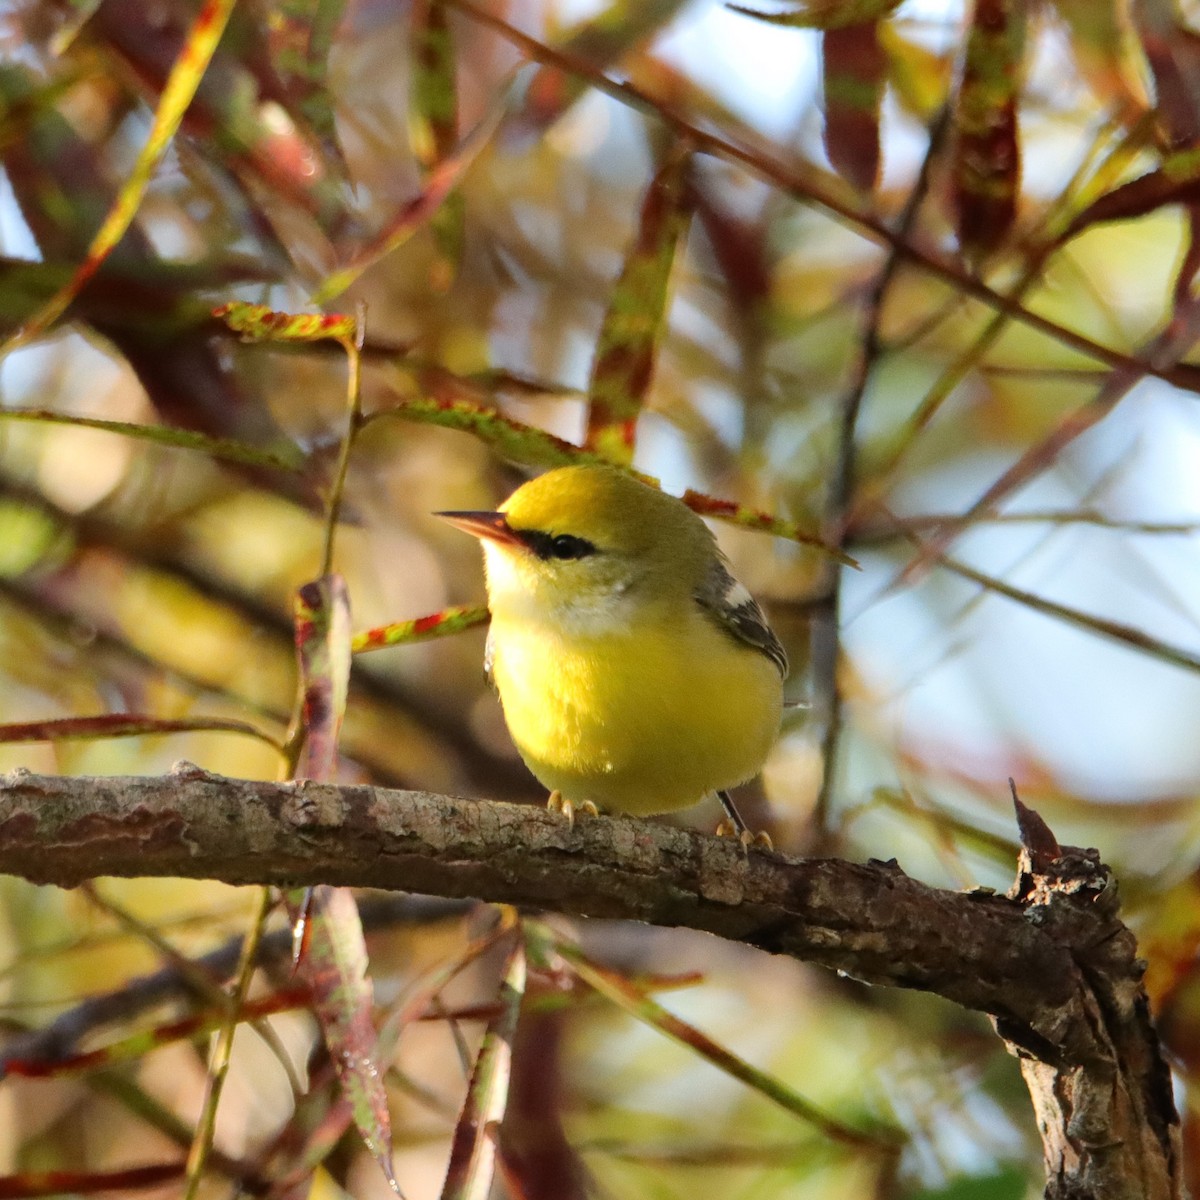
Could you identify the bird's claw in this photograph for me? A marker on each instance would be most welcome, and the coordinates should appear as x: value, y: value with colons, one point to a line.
x: 750, y: 841
x: 558, y: 803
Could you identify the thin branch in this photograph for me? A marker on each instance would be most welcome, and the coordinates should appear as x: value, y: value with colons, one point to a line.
x: 803, y: 185
x: 65, y: 1035
x: 1177, y: 337
x: 222, y: 1052
x: 1116, y: 631
x: 889, y: 528
x: 844, y: 482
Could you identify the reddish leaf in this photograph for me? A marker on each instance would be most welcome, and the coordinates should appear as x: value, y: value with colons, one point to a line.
x: 146, y: 307
x: 855, y: 74
x: 1177, y: 181
x: 334, y: 961
x: 258, y: 323
x: 59, y: 1183
x: 987, y: 154
x: 138, y: 1045
x: 636, y: 317
x: 249, y: 104
x: 536, y: 1157
x: 741, y: 251
x: 1173, y: 52
x: 58, y: 179
x: 745, y: 517
x: 438, y: 624
x: 417, y: 1006
x: 117, y: 725
x: 322, y: 617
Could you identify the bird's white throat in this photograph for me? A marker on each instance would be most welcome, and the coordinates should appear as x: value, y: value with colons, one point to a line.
x: 593, y: 607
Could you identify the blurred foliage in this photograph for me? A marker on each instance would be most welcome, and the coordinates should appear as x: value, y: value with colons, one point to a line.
x: 908, y: 284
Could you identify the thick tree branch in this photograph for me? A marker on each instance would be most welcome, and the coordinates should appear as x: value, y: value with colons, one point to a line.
x: 1051, y: 963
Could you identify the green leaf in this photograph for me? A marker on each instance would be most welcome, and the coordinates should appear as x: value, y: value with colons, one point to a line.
x: 288, y: 458
x: 513, y: 440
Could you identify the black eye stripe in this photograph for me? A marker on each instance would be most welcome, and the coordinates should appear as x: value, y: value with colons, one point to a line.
x: 563, y: 546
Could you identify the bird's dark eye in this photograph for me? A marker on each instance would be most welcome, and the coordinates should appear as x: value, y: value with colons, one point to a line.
x: 564, y: 546
x: 567, y: 545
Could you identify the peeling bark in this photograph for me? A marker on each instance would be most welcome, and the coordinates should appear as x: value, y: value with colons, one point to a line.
x: 1050, y: 962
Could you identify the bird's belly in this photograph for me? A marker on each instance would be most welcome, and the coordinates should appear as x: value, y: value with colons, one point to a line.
x: 638, y: 724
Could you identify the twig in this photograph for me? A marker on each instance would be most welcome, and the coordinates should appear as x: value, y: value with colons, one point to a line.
x: 842, y: 486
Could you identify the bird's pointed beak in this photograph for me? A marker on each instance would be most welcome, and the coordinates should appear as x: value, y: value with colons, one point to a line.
x: 487, y: 526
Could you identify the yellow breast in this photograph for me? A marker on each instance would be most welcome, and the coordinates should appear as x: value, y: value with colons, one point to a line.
x: 640, y: 720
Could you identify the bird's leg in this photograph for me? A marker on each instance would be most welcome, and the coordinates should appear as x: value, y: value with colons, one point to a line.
x: 560, y: 804
x: 735, y: 826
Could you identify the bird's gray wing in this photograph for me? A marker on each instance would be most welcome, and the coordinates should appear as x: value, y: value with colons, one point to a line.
x: 722, y: 597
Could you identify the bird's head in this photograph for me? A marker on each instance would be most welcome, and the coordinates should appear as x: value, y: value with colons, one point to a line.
x: 580, y: 546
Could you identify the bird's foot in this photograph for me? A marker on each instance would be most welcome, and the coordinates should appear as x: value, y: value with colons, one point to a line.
x: 750, y: 841
x: 735, y: 826
x: 558, y: 803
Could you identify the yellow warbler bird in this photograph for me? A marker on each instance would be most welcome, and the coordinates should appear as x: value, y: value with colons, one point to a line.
x: 635, y: 673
